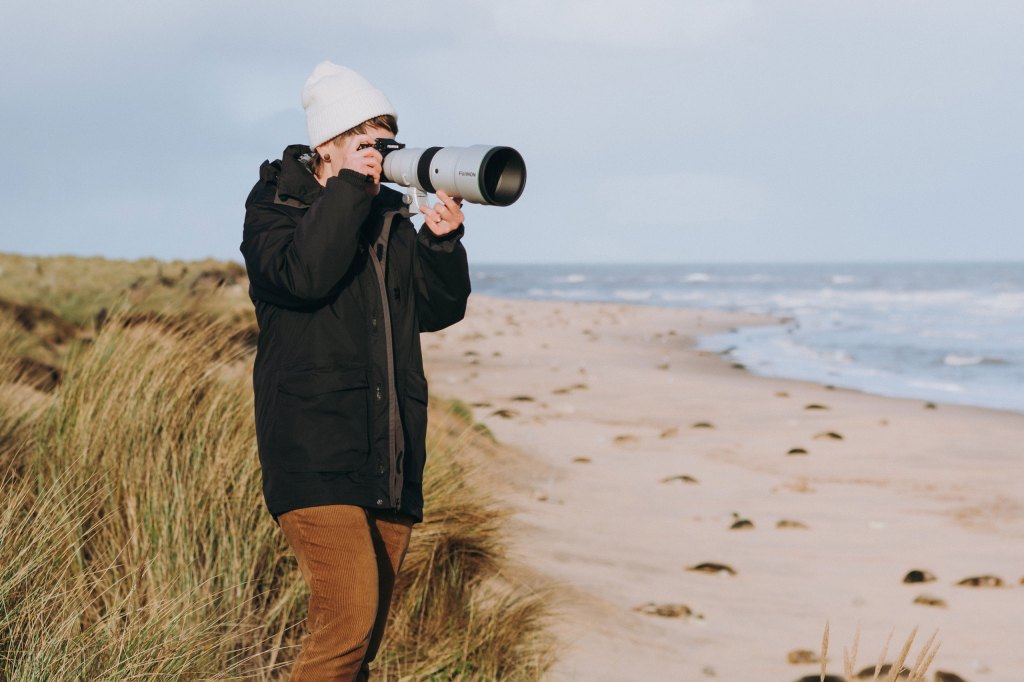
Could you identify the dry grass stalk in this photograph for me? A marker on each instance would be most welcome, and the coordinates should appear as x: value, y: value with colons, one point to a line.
x: 133, y: 540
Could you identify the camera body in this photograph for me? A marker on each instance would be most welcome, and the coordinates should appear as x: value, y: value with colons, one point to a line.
x: 384, y: 145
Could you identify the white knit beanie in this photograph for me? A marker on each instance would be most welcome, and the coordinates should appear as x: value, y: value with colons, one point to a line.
x: 336, y: 99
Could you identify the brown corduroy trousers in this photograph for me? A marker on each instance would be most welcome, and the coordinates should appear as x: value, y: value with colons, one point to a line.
x: 349, y: 557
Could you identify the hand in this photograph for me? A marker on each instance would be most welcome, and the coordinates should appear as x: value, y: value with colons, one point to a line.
x: 347, y: 154
x: 444, y: 217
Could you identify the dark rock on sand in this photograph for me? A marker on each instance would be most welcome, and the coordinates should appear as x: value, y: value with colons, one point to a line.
x: 790, y: 523
x: 739, y: 524
x: 796, y: 451
x: 831, y: 435
x: 818, y: 678
x: 815, y: 406
x: 918, y: 576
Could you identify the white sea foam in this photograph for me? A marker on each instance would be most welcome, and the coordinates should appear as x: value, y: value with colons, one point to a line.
x: 633, y: 294
x: 698, y: 277
x: 965, y: 360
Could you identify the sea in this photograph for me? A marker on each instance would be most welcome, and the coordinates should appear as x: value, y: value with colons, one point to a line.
x: 940, y: 332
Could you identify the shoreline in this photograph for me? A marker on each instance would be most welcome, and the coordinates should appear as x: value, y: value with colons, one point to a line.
x: 603, y: 401
x: 778, y: 319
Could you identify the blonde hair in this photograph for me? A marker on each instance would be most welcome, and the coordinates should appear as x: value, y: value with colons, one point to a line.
x: 387, y: 121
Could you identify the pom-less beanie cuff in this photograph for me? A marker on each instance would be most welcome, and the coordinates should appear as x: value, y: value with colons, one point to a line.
x: 337, y: 99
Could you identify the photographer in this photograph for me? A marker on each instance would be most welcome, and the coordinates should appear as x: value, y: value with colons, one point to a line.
x: 343, y: 284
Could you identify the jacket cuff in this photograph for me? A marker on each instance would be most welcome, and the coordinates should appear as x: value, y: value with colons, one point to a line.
x: 350, y: 176
x: 432, y: 240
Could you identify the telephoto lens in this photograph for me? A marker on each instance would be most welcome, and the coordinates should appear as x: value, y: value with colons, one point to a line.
x: 480, y: 174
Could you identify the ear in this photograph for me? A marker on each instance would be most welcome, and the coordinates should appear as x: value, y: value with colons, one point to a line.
x: 324, y: 149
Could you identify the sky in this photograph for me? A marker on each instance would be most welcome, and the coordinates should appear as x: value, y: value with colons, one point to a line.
x: 691, y: 131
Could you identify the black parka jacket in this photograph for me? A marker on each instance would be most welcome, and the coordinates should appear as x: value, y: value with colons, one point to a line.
x: 343, y: 285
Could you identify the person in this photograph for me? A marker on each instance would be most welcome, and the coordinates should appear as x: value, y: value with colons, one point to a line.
x: 343, y: 284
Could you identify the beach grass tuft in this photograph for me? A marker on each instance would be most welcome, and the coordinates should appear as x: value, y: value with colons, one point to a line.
x: 134, y: 541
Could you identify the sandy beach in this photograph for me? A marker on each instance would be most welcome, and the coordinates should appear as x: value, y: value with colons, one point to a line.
x: 633, y: 455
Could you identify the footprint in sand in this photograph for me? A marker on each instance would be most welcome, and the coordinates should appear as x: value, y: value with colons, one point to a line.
x: 944, y: 676
x: 582, y: 460
x: 781, y: 394
x: 796, y: 451
x: 918, y: 575
x: 505, y: 413
x: 663, y: 365
x: 883, y: 672
x: 671, y: 432
x: 625, y: 439
x: 482, y: 404
x: 738, y: 365
x: 702, y: 425
x: 569, y: 389
x: 742, y: 524
x: 666, y: 610
x: 471, y: 354
x: 928, y: 600
x: 930, y: 406
x: 711, y: 567
x: 685, y: 478
x: 801, y: 656
x: 982, y: 581
x: 829, y: 435
x: 790, y: 523
x: 815, y: 406
x: 522, y: 398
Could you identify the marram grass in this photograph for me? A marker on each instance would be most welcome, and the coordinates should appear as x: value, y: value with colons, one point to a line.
x: 134, y: 543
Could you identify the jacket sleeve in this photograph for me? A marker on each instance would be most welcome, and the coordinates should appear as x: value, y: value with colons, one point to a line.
x: 294, y: 263
x: 441, y: 273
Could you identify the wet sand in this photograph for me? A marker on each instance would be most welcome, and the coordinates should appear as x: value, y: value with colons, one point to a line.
x: 634, y: 455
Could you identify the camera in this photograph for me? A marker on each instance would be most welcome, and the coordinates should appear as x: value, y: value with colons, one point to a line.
x: 480, y: 174
x: 384, y: 145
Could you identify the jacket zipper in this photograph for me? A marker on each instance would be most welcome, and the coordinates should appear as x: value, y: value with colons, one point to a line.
x: 394, y: 452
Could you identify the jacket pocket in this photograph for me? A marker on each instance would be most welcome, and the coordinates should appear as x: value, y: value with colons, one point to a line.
x: 320, y: 423
x: 414, y: 421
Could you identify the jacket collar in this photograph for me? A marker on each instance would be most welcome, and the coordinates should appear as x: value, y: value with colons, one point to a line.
x: 297, y: 182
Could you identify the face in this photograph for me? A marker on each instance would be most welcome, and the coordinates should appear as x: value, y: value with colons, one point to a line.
x: 340, y: 151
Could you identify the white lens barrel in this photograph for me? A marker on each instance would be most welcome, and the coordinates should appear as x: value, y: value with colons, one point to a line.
x: 481, y: 174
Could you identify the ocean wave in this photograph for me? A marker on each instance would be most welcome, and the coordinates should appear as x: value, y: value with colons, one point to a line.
x: 633, y: 294
x: 966, y: 360
x: 945, y: 386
